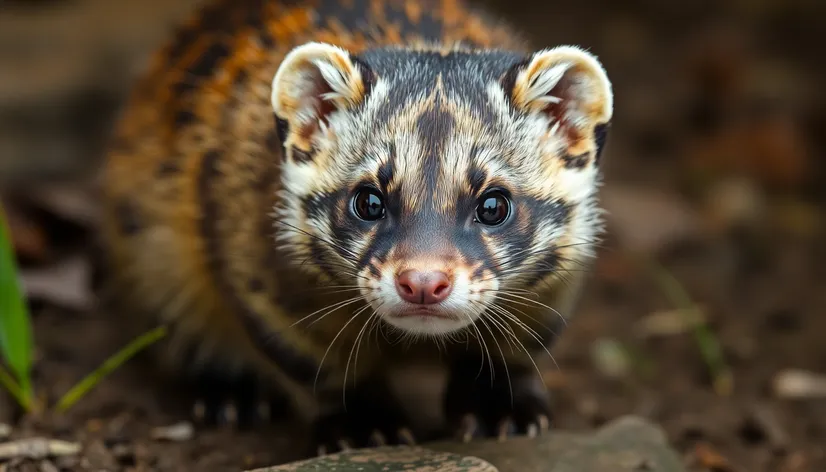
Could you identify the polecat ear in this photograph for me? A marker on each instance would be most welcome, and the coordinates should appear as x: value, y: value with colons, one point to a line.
x: 571, y: 87
x: 314, y: 81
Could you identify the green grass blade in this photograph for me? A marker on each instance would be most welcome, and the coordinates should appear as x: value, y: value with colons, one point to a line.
x: 15, y: 324
x: 119, y: 358
x: 707, y: 342
x: 8, y: 382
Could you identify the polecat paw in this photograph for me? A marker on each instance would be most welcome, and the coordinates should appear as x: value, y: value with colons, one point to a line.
x: 478, y: 407
x: 235, y: 400
x: 370, y: 418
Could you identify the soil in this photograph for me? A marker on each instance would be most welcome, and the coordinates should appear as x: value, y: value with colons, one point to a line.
x: 713, y: 170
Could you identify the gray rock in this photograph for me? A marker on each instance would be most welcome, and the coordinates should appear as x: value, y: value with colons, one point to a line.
x: 629, y: 444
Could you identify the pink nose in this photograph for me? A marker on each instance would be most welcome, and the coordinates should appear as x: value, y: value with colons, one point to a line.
x: 423, y: 288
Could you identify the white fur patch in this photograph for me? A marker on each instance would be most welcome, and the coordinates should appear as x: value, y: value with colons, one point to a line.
x: 576, y: 184
x: 543, y: 83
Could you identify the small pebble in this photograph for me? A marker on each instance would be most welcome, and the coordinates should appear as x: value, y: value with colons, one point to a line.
x: 610, y: 358
x: 735, y: 202
x: 47, y: 466
x: 177, y: 432
x: 588, y: 407
x: 124, y: 454
x: 765, y: 418
x: 5, y: 430
x: 67, y: 462
x: 98, y: 457
x: 799, y: 384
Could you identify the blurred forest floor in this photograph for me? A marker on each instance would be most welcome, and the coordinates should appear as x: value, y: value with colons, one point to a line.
x: 715, y: 170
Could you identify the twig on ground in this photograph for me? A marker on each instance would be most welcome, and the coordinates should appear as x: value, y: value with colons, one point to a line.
x: 37, y: 448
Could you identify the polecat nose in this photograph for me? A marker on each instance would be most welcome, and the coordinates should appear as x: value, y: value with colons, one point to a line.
x: 423, y: 287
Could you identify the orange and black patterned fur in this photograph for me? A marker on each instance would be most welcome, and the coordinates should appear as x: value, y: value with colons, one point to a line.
x: 312, y: 194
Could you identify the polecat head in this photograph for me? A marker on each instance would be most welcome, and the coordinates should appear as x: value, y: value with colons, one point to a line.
x: 437, y: 179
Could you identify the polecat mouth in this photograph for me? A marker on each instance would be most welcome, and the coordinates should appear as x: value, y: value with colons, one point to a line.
x: 425, y: 312
x: 429, y: 320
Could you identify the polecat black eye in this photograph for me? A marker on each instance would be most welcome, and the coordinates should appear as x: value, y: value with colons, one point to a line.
x: 369, y: 204
x: 492, y: 208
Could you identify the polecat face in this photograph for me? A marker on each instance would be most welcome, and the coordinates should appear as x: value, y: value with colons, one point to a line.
x: 439, y: 182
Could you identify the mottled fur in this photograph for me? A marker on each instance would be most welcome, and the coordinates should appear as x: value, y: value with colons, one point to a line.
x: 230, y: 182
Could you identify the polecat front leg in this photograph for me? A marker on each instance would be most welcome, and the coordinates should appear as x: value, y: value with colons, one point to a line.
x: 216, y: 391
x: 509, y: 400
x: 365, y: 415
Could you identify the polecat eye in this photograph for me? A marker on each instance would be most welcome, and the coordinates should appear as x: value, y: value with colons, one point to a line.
x: 369, y: 204
x: 492, y: 208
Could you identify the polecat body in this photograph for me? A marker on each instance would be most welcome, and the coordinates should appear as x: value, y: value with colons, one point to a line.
x: 373, y: 184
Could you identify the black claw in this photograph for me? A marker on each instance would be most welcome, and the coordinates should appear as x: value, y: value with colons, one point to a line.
x: 544, y: 422
x: 506, y: 429
x: 336, y: 434
x: 470, y: 427
x: 376, y: 439
x: 533, y: 409
x: 476, y: 408
x: 371, y: 419
x: 405, y: 436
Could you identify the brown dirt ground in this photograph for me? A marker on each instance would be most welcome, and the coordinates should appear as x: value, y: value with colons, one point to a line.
x: 708, y: 95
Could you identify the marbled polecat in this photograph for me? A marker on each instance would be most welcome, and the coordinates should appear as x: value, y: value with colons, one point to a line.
x: 371, y: 184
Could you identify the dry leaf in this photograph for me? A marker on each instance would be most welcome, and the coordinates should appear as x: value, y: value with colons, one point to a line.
x: 668, y: 323
x: 27, y: 237
x: 711, y: 459
x: 65, y: 283
x: 76, y: 203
